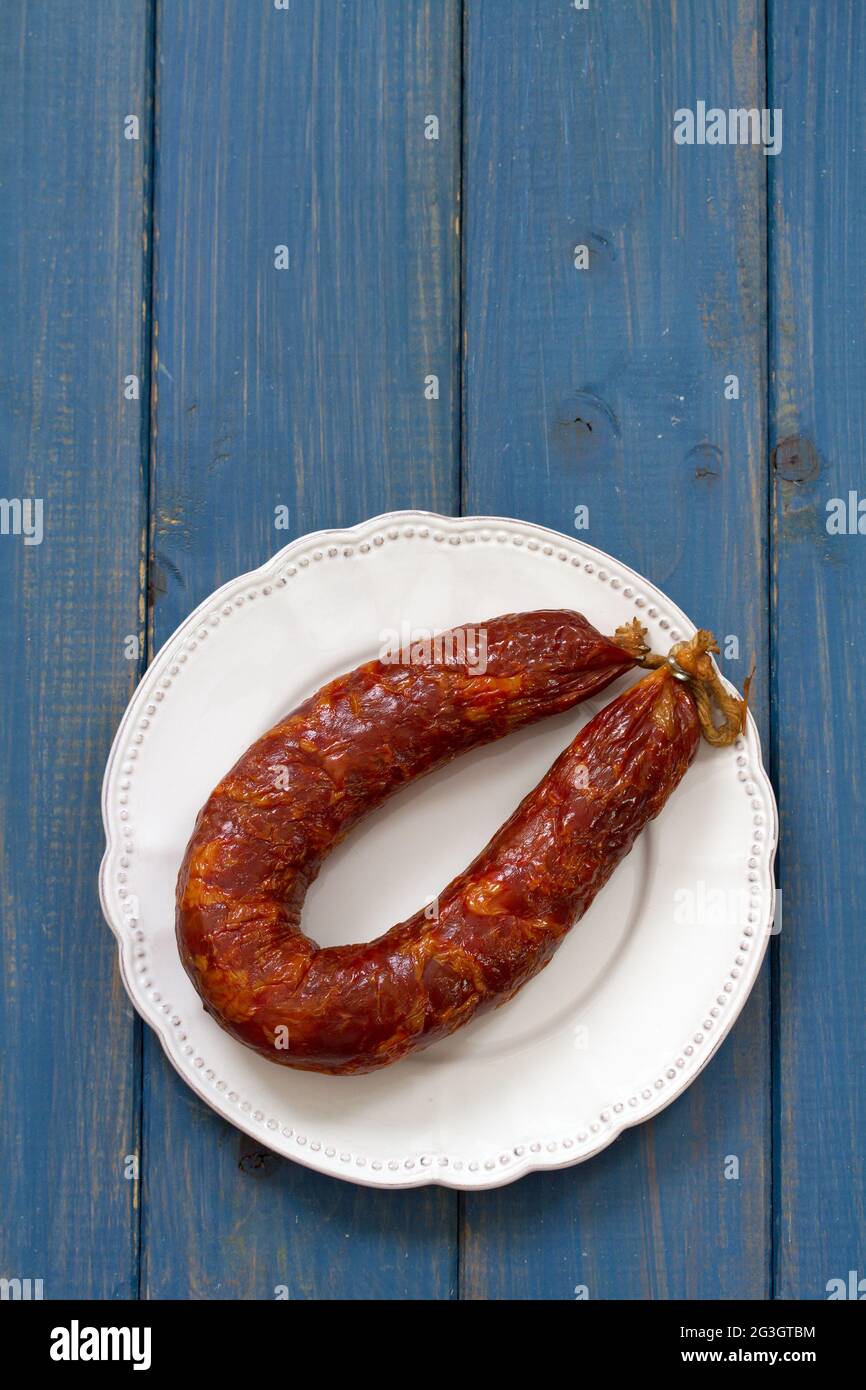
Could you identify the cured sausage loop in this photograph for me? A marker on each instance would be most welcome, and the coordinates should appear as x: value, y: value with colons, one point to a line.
x: 263, y: 834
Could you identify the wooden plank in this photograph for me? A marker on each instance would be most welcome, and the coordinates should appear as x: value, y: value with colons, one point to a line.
x: 302, y: 388
x: 818, y: 428
x: 73, y: 279
x: 604, y: 388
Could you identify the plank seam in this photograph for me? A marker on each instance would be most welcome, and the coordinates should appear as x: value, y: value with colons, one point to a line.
x: 772, y: 660
x: 148, y: 416
x: 461, y: 274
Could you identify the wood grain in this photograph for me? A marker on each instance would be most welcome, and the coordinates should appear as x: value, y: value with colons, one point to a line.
x: 72, y: 280
x: 302, y: 388
x: 818, y: 423
x: 605, y: 388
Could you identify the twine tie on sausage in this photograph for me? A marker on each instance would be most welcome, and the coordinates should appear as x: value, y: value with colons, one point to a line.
x: 632, y: 638
x: 692, y: 663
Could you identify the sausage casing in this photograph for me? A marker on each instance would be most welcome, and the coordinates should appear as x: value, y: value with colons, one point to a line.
x: 263, y: 834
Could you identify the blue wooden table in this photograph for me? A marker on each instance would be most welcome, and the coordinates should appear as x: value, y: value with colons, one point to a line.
x: 324, y: 255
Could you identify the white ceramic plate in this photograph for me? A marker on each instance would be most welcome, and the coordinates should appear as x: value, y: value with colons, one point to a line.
x: 638, y: 997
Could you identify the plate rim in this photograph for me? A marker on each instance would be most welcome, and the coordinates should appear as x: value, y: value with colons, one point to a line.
x: 528, y: 1162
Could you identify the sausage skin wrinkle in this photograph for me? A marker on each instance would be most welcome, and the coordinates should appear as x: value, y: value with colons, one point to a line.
x: 262, y: 836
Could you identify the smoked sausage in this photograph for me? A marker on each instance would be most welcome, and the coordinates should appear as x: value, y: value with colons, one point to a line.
x: 263, y: 834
